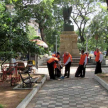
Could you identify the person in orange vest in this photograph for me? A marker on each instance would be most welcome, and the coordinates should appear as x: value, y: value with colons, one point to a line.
x: 82, y: 63
x: 98, y: 59
x: 56, y: 55
x: 51, y: 64
x: 95, y: 53
x: 58, y: 69
x: 67, y: 59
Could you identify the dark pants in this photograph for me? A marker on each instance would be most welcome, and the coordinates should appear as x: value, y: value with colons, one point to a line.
x: 57, y: 72
x: 51, y: 70
x: 80, y: 71
x: 83, y: 71
x: 98, y: 68
x: 67, y: 69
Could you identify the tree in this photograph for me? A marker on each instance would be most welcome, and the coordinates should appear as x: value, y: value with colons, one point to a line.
x: 81, y: 11
x: 48, y: 16
x: 13, y: 35
x: 32, y: 33
x: 43, y: 15
x: 99, y: 28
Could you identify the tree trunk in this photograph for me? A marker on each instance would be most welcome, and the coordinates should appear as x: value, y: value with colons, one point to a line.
x: 82, y: 39
x: 107, y: 4
x: 107, y: 52
x: 42, y: 33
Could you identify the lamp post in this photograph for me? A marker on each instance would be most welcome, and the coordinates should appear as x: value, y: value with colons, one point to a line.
x: 56, y: 43
x: 86, y: 42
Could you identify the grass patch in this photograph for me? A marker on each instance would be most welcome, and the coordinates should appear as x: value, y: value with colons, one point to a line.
x: 1, y: 106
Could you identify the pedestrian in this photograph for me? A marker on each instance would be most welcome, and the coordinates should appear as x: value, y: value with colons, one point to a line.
x: 87, y: 56
x: 50, y: 64
x: 98, y: 59
x: 14, y: 61
x: 67, y: 59
x: 12, y: 66
x: 58, y: 69
x: 82, y: 65
x: 56, y: 55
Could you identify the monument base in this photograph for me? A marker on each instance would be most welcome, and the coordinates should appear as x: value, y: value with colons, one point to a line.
x: 68, y: 43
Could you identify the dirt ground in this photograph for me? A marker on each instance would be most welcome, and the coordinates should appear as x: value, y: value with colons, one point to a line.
x: 10, y: 98
x: 104, y: 76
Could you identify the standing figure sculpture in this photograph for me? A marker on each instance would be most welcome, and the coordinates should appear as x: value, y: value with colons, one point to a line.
x: 67, y: 22
x: 66, y: 15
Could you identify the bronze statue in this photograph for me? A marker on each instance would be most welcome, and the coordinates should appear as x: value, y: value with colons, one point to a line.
x: 67, y: 22
x: 66, y: 14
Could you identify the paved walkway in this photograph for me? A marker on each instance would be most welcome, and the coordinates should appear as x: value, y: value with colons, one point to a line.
x: 71, y: 93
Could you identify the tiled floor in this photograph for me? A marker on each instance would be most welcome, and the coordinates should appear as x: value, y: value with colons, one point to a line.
x: 71, y: 93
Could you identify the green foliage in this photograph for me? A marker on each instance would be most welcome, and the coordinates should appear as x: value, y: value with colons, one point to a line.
x: 13, y: 35
x: 32, y: 33
x: 101, y: 6
x: 1, y: 106
x: 81, y: 15
x: 97, y: 30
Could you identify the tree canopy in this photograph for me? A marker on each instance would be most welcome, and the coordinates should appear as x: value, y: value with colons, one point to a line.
x: 15, y: 33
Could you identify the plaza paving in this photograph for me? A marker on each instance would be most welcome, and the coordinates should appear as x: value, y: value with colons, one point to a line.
x: 71, y: 93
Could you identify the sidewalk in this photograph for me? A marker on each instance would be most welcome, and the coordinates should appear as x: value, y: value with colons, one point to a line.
x: 71, y: 93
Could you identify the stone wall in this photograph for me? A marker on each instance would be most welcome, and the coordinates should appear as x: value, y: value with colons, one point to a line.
x: 68, y: 42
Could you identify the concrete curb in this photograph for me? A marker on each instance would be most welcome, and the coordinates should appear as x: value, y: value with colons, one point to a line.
x: 28, y: 98
x: 18, y: 87
x: 102, y: 82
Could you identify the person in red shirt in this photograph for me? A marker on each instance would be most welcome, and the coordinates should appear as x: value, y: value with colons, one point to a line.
x: 51, y: 64
x: 67, y: 59
x: 82, y: 63
x: 98, y: 60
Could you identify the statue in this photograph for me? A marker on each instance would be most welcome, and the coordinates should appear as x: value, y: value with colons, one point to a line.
x: 66, y: 14
x: 67, y: 22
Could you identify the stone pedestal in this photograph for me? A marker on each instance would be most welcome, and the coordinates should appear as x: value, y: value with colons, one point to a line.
x: 68, y: 43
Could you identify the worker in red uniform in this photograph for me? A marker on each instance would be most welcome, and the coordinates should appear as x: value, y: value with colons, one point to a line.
x: 67, y: 59
x: 56, y: 55
x: 51, y: 64
x: 98, y: 59
x: 82, y: 63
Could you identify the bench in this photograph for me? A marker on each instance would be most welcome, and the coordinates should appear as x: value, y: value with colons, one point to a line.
x: 28, y: 80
